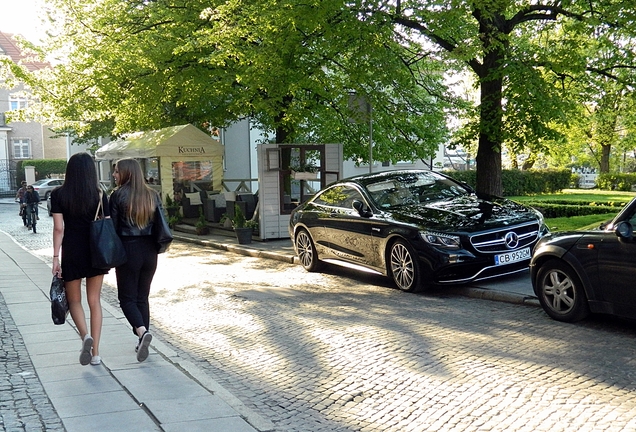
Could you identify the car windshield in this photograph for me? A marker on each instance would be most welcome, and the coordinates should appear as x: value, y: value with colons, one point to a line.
x: 413, y: 188
x: 39, y: 182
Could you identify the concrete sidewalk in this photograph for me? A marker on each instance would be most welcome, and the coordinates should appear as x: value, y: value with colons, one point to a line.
x: 164, y: 393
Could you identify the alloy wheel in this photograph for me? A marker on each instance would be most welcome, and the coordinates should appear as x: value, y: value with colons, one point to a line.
x: 404, y: 269
x: 307, y: 251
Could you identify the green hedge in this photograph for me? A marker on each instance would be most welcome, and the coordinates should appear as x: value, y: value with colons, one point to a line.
x: 616, y: 205
x: 616, y: 181
x: 549, y: 209
x: 517, y: 182
x: 43, y: 168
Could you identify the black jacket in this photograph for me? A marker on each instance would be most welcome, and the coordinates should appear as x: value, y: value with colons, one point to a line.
x: 118, y: 213
x: 31, y: 197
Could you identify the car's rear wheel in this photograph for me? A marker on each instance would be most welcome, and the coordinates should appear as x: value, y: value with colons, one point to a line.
x: 403, y: 266
x: 307, y: 254
x: 561, y: 293
x: 47, y: 195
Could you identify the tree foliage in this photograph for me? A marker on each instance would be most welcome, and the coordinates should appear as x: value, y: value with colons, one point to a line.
x: 518, y: 51
x: 289, y: 65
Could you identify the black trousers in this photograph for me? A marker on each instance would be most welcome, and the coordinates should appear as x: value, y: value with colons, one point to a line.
x: 134, y: 279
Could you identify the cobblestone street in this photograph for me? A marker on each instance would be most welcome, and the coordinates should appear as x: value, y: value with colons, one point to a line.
x: 333, y: 352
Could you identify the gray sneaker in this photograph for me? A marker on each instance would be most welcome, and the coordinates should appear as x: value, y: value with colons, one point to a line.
x: 142, y: 350
x: 85, y: 353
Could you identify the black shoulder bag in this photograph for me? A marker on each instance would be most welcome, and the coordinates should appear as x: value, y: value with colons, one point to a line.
x: 107, y: 250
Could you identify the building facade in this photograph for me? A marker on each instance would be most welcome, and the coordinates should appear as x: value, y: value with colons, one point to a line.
x: 21, y: 141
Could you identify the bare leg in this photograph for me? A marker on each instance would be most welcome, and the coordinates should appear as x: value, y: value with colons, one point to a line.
x: 141, y: 330
x: 74, y: 297
x: 93, y: 295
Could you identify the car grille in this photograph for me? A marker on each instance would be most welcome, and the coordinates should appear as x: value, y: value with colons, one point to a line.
x: 494, y: 241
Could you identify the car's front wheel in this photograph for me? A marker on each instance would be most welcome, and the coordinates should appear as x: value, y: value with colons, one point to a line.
x: 307, y: 254
x: 561, y: 293
x: 403, y: 266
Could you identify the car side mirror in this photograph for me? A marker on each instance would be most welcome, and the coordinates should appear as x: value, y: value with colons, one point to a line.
x: 624, y: 230
x: 359, y: 207
x: 469, y: 187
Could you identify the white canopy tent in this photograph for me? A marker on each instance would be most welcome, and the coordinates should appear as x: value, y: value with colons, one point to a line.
x: 185, y: 154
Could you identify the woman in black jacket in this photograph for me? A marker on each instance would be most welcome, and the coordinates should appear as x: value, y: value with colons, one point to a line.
x: 132, y: 207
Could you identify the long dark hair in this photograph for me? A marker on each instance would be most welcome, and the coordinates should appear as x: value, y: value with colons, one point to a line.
x: 79, y: 194
x: 139, y: 198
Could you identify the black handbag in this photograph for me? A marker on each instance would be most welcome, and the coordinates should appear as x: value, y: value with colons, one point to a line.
x: 161, y: 230
x: 59, y: 304
x: 107, y: 250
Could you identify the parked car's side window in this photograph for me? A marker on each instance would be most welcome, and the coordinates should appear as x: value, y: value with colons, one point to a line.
x: 632, y: 221
x: 339, y: 196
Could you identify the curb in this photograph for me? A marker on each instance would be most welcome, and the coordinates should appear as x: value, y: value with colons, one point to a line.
x: 243, y: 250
x: 502, y: 296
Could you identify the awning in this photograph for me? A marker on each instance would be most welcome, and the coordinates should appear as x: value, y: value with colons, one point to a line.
x: 185, y: 141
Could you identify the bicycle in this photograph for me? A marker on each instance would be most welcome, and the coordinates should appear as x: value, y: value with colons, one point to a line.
x: 31, y: 216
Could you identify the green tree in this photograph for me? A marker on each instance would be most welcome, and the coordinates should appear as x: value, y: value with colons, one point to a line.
x: 289, y: 65
x: 517, y: 50
x: 600, y: 131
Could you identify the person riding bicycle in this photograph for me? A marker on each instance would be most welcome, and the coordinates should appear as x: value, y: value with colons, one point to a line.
x: 19, y: 197
x: 32, y: 201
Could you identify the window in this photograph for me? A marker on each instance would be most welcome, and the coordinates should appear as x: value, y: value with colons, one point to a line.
x: 17, y: 102
x: 339, y: 196
x: 301, y: 173
x: 21, y: 148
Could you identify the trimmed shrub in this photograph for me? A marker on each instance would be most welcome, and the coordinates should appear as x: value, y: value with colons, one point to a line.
x: 616, y: 181
x: 551, y: 210
x: 616, y: 205
x: 517, y: 182
x: 468, y: 177
x: 43, y: 168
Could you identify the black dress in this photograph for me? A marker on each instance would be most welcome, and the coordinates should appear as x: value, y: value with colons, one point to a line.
x: 76, y: 251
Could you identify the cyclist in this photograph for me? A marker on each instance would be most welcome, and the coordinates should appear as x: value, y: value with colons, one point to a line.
x: 19, y: 197
x: 32, y: 201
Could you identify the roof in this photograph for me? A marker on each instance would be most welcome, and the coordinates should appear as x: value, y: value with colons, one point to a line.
x: 176, y: 141
x: 10, y: 48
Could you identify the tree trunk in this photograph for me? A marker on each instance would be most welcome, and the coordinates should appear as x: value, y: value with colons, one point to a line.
x: 605, y: 158
x: 606, y: 121
x: 281, y: 135
x: 491, y: 125
x: 530, y: 161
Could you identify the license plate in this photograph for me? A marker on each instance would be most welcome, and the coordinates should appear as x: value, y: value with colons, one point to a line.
x: 514, y: 256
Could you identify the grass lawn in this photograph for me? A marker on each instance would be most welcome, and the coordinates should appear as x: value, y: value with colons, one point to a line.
x: 579, y: 222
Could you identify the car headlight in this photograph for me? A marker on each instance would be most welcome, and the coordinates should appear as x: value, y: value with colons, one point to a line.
x: 440, y: 239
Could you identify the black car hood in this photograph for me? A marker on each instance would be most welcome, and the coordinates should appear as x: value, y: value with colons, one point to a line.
x: 465, y: 213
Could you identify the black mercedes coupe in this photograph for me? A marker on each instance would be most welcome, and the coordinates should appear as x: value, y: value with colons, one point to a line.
x: 417, y: 227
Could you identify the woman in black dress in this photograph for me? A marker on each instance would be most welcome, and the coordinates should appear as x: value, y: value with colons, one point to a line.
x: 73, y: 206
